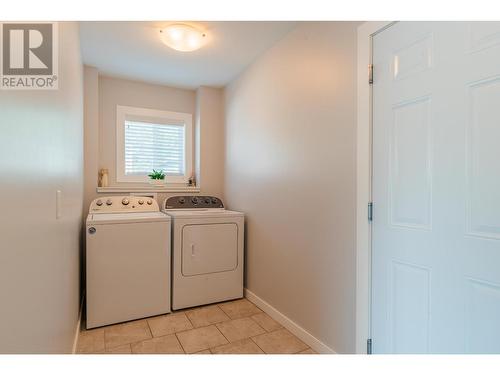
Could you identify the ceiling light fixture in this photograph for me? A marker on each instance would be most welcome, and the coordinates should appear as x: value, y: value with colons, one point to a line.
x: 182, y: 37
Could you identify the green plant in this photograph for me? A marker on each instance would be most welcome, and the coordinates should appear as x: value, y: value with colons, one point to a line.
x: 157, y: 175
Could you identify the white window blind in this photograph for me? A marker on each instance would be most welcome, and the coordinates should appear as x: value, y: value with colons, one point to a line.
x: 151, y: 146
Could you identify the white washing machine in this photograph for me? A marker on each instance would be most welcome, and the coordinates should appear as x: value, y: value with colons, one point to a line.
x: 207, y: 251
x: 128, y: 260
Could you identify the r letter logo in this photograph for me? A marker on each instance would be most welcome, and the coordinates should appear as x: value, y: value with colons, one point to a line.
x: 29, y: 56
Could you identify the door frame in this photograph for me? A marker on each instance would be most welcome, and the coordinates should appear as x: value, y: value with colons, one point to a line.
x: 366, y: 31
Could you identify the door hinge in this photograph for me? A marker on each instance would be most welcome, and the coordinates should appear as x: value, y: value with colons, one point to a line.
x: 370, y: 211
x: 370, y: 74
x: 369, y: 346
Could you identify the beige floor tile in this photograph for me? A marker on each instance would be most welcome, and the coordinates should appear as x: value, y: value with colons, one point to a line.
x: 95, y: 353
x: 240, y: 308
x: 206, y: 351
x: 246, y: 346
x: 279, y: 342
x: 168, y: 324
x: 202, y: 338
x: 126, y: 333
x: 205, y: 316
x: 307, y: 351
x: 266, y: 322
x: 91, y: 341
x: 158, y: 345
x: 123, y: 349
x: 235, y: 330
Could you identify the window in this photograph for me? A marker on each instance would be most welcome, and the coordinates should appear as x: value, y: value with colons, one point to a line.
x: 149, y: 139
x: 151, y: 146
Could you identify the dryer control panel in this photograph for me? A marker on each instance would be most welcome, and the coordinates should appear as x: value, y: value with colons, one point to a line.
x: 192, y: 202
x: 123, y: 204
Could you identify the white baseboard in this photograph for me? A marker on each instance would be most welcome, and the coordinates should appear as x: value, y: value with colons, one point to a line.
x: 289, y: 324
x: 77, y: 331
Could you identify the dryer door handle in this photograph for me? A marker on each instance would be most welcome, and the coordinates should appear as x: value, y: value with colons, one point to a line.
x: 192, y: 250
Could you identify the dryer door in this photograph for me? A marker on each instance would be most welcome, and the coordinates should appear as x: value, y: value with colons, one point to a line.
x: 209, y: 248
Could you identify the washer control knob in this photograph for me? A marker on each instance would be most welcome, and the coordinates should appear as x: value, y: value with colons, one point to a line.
x: 214, y: 200
x: 194, y: 200
x: 125, y: 201
x: 207, y: 200
x: 99, y: 202
x: 150, y: 202
x: 182, y: 200
x: 109, y: 202
x: 141, y: 201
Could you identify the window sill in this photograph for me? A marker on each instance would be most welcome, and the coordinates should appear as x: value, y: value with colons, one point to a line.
x: 149, y: 189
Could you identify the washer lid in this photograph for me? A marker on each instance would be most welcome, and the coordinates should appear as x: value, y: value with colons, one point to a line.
x: 132, y: 217
x: 203, y: 213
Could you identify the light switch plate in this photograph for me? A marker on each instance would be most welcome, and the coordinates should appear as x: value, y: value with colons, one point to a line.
x: 58, y: 204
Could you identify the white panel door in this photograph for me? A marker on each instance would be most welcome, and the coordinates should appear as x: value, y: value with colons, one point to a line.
x: 436, y: 188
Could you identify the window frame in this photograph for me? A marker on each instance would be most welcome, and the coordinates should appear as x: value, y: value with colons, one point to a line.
x: 124, y: 113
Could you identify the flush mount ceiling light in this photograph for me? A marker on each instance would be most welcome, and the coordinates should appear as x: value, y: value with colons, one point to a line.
x: 182, y: 37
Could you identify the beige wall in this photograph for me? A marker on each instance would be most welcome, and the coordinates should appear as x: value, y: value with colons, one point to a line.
x: 209, y: 134
x: 91, y: 134
x: 40, y: 152
x: 103, y: 94
x: 290, y: 166
x: 114, y: 91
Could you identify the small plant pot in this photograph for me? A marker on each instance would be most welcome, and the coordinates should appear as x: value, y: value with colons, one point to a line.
x: 157, y: 182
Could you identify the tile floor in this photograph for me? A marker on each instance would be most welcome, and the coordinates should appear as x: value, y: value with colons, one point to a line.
x: 235, y: 327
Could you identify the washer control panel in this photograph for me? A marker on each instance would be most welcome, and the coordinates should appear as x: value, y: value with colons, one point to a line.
x: 192, y: 202
x: 120, y: 203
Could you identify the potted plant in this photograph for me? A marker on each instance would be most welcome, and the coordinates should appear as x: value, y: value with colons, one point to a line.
x: 157, y: 177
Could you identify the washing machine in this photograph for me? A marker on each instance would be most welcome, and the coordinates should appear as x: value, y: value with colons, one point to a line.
x: 127, y: 260
x: 207, y: 251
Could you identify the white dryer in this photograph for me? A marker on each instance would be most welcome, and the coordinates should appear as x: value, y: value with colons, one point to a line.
x: 207, y: 251
x: 128, y: 260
